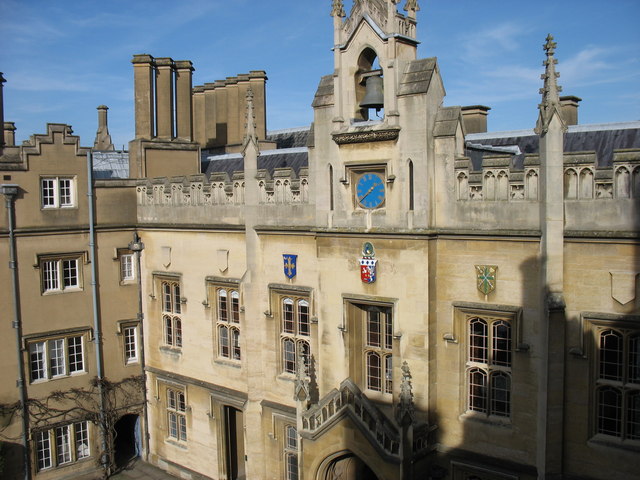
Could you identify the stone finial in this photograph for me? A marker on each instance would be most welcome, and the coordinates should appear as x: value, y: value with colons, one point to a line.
x: 405, y: 408
x: 301, y: 388
x: 411, y: 6
x: 337, y: 9
x: 550, y: 104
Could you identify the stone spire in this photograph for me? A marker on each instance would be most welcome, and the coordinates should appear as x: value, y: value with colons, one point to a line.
x: 103, y: 139
x: 302, y: 391
x: 337, y: 9
x: 405, y: 408
x: 550, y: 91
x: 250, y: 135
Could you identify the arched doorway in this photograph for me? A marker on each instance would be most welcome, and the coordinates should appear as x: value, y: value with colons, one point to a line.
x: 348, y: 467
x: 126, y: 442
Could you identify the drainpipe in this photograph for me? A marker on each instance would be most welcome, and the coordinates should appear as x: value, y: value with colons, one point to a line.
x: 137, y: 247
x: 10, y: 191
x: 97, y: 330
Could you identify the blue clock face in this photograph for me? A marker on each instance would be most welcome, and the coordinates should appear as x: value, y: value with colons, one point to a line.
x: 370, y: 190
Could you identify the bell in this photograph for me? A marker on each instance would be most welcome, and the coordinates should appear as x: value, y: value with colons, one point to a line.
x: 374, y: 94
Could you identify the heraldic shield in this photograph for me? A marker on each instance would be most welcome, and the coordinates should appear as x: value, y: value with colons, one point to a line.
x: 486, y: 276
x: 368, y: 269
x: 290, y: 265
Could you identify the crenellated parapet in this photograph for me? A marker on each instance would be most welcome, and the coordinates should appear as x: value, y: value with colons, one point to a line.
x: 220, y: 188
x: 499, y: 180
x: 284, y: 186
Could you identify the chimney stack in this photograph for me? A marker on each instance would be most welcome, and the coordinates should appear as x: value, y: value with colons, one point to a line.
x: 9, y: 134
x: 164, y: 97
x: 103, y: 139
x: 569, y: 105
x: 184, y: 106
x: 2, y: 140
x: 475, y: 118
x: 143, y: 74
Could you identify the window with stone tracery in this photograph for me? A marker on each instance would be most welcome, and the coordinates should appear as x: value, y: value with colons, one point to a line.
x: 295, y: 332
x: 228, y: 322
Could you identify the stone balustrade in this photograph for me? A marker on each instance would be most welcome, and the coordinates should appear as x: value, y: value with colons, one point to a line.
x: 350, y: 400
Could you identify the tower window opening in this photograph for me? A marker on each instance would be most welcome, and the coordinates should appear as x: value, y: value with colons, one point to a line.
x: 369, y: 87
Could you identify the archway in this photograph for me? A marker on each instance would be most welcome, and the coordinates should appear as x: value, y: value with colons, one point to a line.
x: 348, y: 467
x: 126, y: 442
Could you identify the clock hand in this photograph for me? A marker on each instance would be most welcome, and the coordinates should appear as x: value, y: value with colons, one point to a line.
x: 368, y: 192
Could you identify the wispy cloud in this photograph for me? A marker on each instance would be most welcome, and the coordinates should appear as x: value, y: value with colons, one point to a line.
x: 492, y: 41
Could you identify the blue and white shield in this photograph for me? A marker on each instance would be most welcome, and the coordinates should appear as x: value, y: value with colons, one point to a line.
x: 290, y: 265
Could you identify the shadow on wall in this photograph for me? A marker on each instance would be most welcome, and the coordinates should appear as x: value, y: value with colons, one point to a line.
x: 11, y: 455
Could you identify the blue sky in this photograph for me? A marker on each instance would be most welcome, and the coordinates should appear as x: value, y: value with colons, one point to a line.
x: 63, y: 58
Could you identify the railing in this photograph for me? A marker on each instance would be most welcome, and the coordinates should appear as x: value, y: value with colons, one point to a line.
x: 349, y: 399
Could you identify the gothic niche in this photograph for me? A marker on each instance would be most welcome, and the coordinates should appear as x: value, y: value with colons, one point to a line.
x: 369, y: 87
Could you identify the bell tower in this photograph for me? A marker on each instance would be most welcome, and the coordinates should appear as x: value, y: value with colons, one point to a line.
x: 373, y: 120
x: 370, y: 47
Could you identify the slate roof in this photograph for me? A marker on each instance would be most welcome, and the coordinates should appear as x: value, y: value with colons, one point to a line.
x: 269, y: 160
x: 110, y: 164
x: 602, y: 139
x: 289, y: 138
x: 417, y: 76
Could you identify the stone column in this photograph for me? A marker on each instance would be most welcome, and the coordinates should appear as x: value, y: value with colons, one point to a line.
x: 164, y: 97
x: 551, y: 129
x: 184, y: 105
x: 252, y: 281
x: 143, y: 73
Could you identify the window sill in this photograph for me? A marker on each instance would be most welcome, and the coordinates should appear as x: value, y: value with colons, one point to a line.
x: 62, y: 207
x: 132, y: 362
x: 175, y: 352
x: 377, y: 396
x: 176, y: 443
x: 57, y: 377
x: 494, y: 420
x: 601, y: 440
x: 289, y: 377
x: 228, y: 362
x: 66, y: 290
x: 124, y: 283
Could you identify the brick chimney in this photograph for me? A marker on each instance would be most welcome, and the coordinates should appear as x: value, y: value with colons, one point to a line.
x: 569, y: 105
x: 475, y: 118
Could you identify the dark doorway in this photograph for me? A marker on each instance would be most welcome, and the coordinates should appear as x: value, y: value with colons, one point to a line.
x: 234, y: 433
x: 349, y: 467
x: 127, y: 440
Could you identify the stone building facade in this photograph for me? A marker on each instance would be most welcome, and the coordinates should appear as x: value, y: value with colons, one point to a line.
x: 391, y: 293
